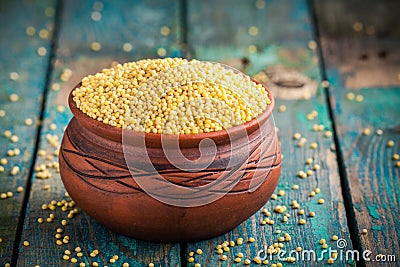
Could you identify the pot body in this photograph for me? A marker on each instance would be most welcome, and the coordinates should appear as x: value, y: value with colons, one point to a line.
x: 98, y: 168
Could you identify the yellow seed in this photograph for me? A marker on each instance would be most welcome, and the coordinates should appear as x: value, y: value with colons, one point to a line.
x: 237, y: 260
x: 359, y: 98
x: 252, y: 49
x: 394, y: 157
x: 251, y: 239
x: 317, y: 190
x: 350, y: 96
x: 95, y: 264
x: 253, y: 30
x: 95, y: 16
x: 257, y: 259
x: 14, y: 170
x: 127, y: 47
x: 313, y: 145
x: 328, y: 134
x: 30, y: 30
x: 298, y: 249
x: 364, y: 231
x: 247, y: 261
x: 281, y: 193
x: 65, y: 257
x: 20, y: 189
x: 14, y: 97
x: 125, y: 264
x: 311, y: 194
x: 321, y: 201
x: 379, y: 132
x: 3, y: 196
x: 397, y: 164
x: 331, y: 261
x: 301, y: 212
x: 358, y: 26
x: 274, y: 196
x: 41, y: 51
x: 312, y: 45
x: 14, y: 76
x: 296, y: 136
x: 302, y: 221
x: 282, y: 108
x: 95, y: 46
x: 240, y: 255
x: 165, y: 31
x: 316, y: 167
x: 199, y: 251
x: 366, y: 131
x: 390, y: 143
x: 43, y: 33
x: 295, y: 187
x: 322, y: 241
x: 26, y: 243
x: 325, y: 84
x: 190, y: 259
x: 1, y: 169
x: 324, y: 246
x: 335, y: 238
x: 74, y: 260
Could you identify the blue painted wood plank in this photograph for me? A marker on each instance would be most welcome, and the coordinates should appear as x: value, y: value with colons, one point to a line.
x: 25, y: 28
x: 138, y: 25
x: 362, y: 65
x: 225, y: 32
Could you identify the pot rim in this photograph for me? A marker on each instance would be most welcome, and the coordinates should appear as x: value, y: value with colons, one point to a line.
x: 185, y: 140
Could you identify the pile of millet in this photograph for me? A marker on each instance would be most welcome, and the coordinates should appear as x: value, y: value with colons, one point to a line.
x: 171, y: 96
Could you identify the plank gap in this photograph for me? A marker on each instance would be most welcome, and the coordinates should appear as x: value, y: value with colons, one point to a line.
x: 348, y: 203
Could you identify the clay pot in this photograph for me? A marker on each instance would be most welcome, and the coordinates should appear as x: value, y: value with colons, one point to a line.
x: 97, y: 163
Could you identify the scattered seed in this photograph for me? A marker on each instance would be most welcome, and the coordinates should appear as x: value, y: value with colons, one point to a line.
x: 350, y: 96
x: 199, y: 251
x: 44, y: 33
x: 165, y: 31
x: 14, y: 76
x: 41, y: 51
x: 282, y: 108
x: 379, y: 132
x: 295, y: 187
x: 302, y: 221
x: 95, y: 46
x: 297, y: 136
x: 26, y: 243
x: 321, y: 201
x: 358, y: 26
x: 13, y: 97
x: 325, y: 84
x: 313, y: 145
x: 127, y: 47
x: 312, y: 45
x: 251, y: 239
x: 366, y: 131
x: 30, y: 31
x: 359, y: 98
x: 335, y: 238
x: 161, y: 52
x: 328, y: 134
x: 96, y: 16
x: 390, y: 143
x: 364, y: 231
x: 253, y: 30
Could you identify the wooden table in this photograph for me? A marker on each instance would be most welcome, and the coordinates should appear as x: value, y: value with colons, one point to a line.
x: 48, y: 46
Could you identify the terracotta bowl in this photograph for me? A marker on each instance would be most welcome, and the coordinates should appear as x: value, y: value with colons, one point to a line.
x: 97, y: 167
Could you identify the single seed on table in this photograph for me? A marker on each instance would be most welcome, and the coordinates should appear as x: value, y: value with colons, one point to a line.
x: 55, y: 87
x: 298, y: 249
x: 232, y: 243
x: 251, y: 239
x: 309, y: 172
x: 316, y: 167
x: 311, y: 194
x: 247, y: 261
x: 321, y: 201
x: 312, y: 45
x: 324, y: 246
x: 95, y: 46
x: 20, y: 189
x: 317, y: 190
x: 53, y: 126
x: 309, y: 160
x: 302, y: 174
x: 9, y: 194
x: 313, y: 145
x: 28, y: 121
x: 257, y: 259
x: 274, y: 196
x: 95, y: 16
x: 379, y: 132
x: 78, y: 249
x: 398, y: 164
x: 161, y: 52
x: 190, y: 259
x: 281, y: 193
x: 366, y: 131
x: 237, y: 260
x: 30, y: 31
x: 199, y: 251
x: 331, y: 261
x: 13, y: 97
x: 65, y: 257
x: 95, y: 264
x: 82, y: 264
x: 335, y: 238
x: 394, y: 157
x: 1, y: 169
x: 7, y: 133
x: 41, y: 51
x: 240, y: 255
x: 296, y: 136
x: 322, y: 241
x: 265, y: 262
x: 127, y: 47
x: 364, y: 231
x: 325, y: 83
x: 239, y: 241
x: 350, y: 96
x: 252, y: 49
x: 74, y: 260
x: 358, y: 26
x: 26, y: 243
x: 197, y: 265
x: 328, y: 134
x: 282, y: 108
x: 390, y: 143
x: 301, y: 212
x: 295, y: 187
x: 165, y: 31
x: 359, y: 98
x: 302, y: 221
x: 253, y: 30
x: 43, y: 33
x: 125, y: 264
x: 2, y: 113
x: 14, y: 76
x: 223, y: 257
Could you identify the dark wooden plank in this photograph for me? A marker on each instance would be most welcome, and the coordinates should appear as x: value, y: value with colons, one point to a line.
x: 362, y: 55
x: 23, y: 73
x: 121, y: 22
x: 222, y: 33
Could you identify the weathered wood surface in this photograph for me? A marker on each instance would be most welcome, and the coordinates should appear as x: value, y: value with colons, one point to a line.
x: 361, y: 58
x: 22, y: 72
x: 362, y: 55
x: 121, y: 22
x: 223, y: 34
